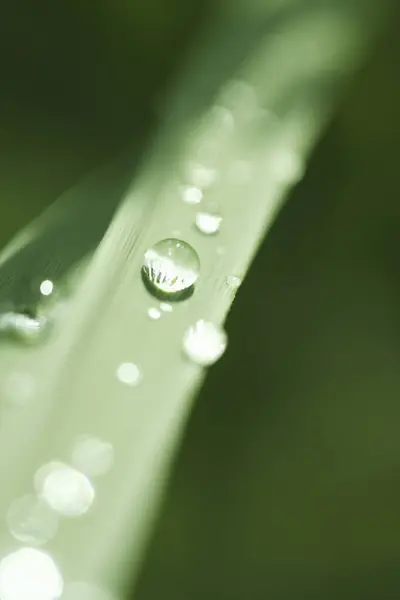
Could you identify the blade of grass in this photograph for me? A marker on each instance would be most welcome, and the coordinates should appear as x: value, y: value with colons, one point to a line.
x: 254, y: 133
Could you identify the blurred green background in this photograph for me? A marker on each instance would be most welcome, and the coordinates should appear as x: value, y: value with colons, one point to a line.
x: 287, y: 485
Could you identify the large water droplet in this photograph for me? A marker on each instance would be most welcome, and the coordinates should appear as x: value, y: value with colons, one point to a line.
x: 29, y: 574
x: 31, y: 520
x: 204, y: 343
x: 23, y: 327
x: 208, y: 223
x: 171, y: 267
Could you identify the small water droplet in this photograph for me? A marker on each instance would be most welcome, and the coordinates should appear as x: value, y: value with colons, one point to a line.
x: 192, y: 195
x: 154, y: 313
x: 129, y: 373
x: 29, y: 574
x: 171, y: 267
x: 66, y: 490
x: 165, y: 307
x: 286, y: 166
x: 204, y: 343
x: 233, y: 282
x: 92, y: 456
x: 208, y: 223
x: 46, y: 287
x: 31, y: 520
x: 200, y: 175
x: 23, y: 327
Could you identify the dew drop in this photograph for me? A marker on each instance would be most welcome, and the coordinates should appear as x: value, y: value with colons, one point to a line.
x: 192, y: 195
x: 154, y: 313
x: 29, y: 574
x: 92, y: 456
x: 23, y: 327
x: 165, y: 307
x: 129, y: 373
x: 66, y: 490
x: 31, y: 520
x: 208, y: 223
x: 233, y: 282
x: 204, y: 343
x: 200, y: 175
x: 171, y: 267
x: 46, y: 287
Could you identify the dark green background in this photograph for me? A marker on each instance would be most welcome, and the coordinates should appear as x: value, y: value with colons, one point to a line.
x: 288, y: 482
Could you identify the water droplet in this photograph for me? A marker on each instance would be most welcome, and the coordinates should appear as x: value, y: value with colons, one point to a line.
x: 192, y: 195
x: 233, y: 282
x: 66, y: 490
x: 46, y: 287
x: 171, y: 267
x: 30, y: 520
x: 129, y: 373
x: 200, y: 175
x: 154, y: 313
x: 92, y: 456
x: 23, y: 327
x: 204, y: 343
x: 208, y: 222
x: 165, y: 307
x: 286, y: 166
x: 29, y: 574
x: 80, y: 590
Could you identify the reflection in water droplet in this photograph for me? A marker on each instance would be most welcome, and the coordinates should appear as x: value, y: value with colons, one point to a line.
x: 154, y: 313
x: 80, y: 590
x: 66, y: 490
x: 192, y: 195
x: 18, y: 389
x: 46, y: 287
x: 165, y: 307
x: 29, y: 574
x: 92, y: 456
x: 30, y: 520
x: 208, y: 222
x: 171, y: 267
x: 129, y: 373
x: 204, y: 343
x: 233, y: 282
x: 23, y: 327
